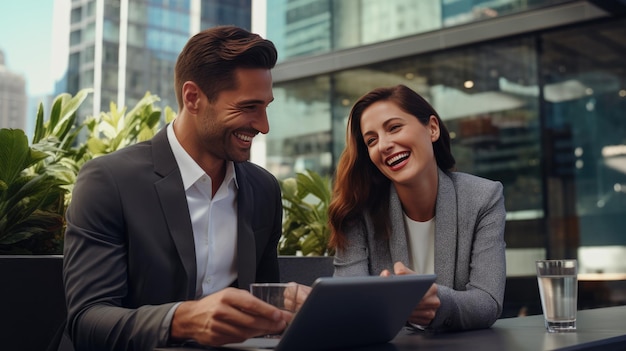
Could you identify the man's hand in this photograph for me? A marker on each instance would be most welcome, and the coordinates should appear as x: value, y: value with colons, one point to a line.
x: 298, y: 298
x: 227, y: 316
x: 426, y: 310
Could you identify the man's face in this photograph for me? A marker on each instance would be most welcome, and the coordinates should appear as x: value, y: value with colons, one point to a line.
x: 229, y: 124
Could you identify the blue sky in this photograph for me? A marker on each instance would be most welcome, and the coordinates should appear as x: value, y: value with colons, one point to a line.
x: 26, y: 36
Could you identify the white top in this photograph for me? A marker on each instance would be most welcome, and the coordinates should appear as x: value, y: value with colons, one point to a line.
x: 214, y: 221
x: 421, y: 239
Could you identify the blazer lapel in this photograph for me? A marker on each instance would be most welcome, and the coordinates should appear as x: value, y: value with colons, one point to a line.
x: 246, y: 244
x: 174, y: 204
x: 398, y: 244
x: 445, y: 230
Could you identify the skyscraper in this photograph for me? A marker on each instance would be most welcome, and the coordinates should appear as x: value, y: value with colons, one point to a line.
x: 125, y: 48
x: 12, y: 98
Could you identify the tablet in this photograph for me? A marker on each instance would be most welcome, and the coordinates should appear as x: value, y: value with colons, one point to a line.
x: 346, y: 312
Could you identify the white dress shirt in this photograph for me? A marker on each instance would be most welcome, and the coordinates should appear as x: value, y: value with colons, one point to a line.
x: 421, y: 238
x: 213, y: 218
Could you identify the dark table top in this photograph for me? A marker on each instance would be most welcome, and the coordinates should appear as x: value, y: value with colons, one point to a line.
x: 597, y: 329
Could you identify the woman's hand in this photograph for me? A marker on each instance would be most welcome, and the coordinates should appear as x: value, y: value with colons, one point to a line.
x: 427, y: 308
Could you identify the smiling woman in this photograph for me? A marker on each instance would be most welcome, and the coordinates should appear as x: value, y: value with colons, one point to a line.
x: 400, y: 208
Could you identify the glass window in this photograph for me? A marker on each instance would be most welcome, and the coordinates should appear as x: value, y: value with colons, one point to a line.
x: 87, y: 55
x: 585, y: 105
x: 137, y: 12
x: 86, y: 79
x: 313, y: 27
x: 300, y: 136
x: 91, y: 9
x: 112, y: 9
x: 136, y: 35
x: 106, y: 98
x: 111, y: 31
x: 74, y: 61
x: 89, y: 33
x: 457, y: 12
x: 109, y: 81
x: 72, y: 82
x: 75, y: 15
x: 75, y: 37
x: 235, y: 12
x: 384, y: 20
x: 110, y: 54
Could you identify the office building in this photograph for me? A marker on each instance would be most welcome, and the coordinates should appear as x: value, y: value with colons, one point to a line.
x: 13, y: 97
x: 533, y: 93
x: 125, y: 48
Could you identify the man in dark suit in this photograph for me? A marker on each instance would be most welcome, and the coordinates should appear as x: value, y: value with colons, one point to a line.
x: 164, y: 237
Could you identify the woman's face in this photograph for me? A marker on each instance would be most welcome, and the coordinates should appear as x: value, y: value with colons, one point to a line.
x: 399, y: 145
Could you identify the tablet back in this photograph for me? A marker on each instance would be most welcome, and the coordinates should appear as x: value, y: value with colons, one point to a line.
x: 344, y: 312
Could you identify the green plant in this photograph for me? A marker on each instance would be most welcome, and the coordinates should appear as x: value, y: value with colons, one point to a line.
x: 110, y: 131
x: 305, y: 223
x: 36, y: 181
x: 30, y: 204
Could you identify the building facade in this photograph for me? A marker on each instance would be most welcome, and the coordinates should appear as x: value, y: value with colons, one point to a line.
x: 13, y: 97
x: 532, y: 92
x: 124, y: 48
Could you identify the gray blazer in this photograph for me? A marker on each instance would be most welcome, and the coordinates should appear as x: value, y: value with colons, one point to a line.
x: 129, y: 252
x: 469, y: 250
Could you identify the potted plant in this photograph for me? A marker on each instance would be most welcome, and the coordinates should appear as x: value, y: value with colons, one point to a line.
x: 36, y: 181
x: 303, y: 247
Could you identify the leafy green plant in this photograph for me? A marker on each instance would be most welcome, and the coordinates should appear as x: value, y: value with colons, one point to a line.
x: 30, y: 203
x: 110, y: 131
x: 305, y: 224
x: 36, y: 181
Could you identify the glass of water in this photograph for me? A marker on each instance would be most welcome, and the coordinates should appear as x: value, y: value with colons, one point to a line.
x: 558, y: 288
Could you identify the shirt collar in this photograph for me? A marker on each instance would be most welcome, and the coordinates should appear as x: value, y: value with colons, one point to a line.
x: 190, y: 171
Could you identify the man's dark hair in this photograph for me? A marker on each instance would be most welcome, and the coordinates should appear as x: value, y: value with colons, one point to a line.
x: 210, y: 57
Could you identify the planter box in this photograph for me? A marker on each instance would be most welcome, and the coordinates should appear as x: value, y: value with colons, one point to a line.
x: 32, y: 300
x: 304, y: 269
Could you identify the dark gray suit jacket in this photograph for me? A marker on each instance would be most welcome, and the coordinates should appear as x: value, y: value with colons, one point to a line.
x: 470, y: 258
x: 129, y: 251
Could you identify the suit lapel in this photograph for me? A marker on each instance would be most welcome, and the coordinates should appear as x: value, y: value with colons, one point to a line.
x: 445, y: 230
x: 398, y: 244
x: 246, y: 247
x: 174, y: 205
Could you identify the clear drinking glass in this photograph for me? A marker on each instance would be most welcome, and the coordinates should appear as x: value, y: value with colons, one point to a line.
x: 281, y: 295
x: 558, y: 288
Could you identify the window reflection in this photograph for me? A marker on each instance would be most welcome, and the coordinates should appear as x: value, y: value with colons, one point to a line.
x: 312, y: 27
x: 585, y: 105
x: 300, y: 137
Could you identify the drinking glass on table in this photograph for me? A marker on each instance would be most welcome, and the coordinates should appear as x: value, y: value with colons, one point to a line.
x: 558, y: 288
x: 281, y: 295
